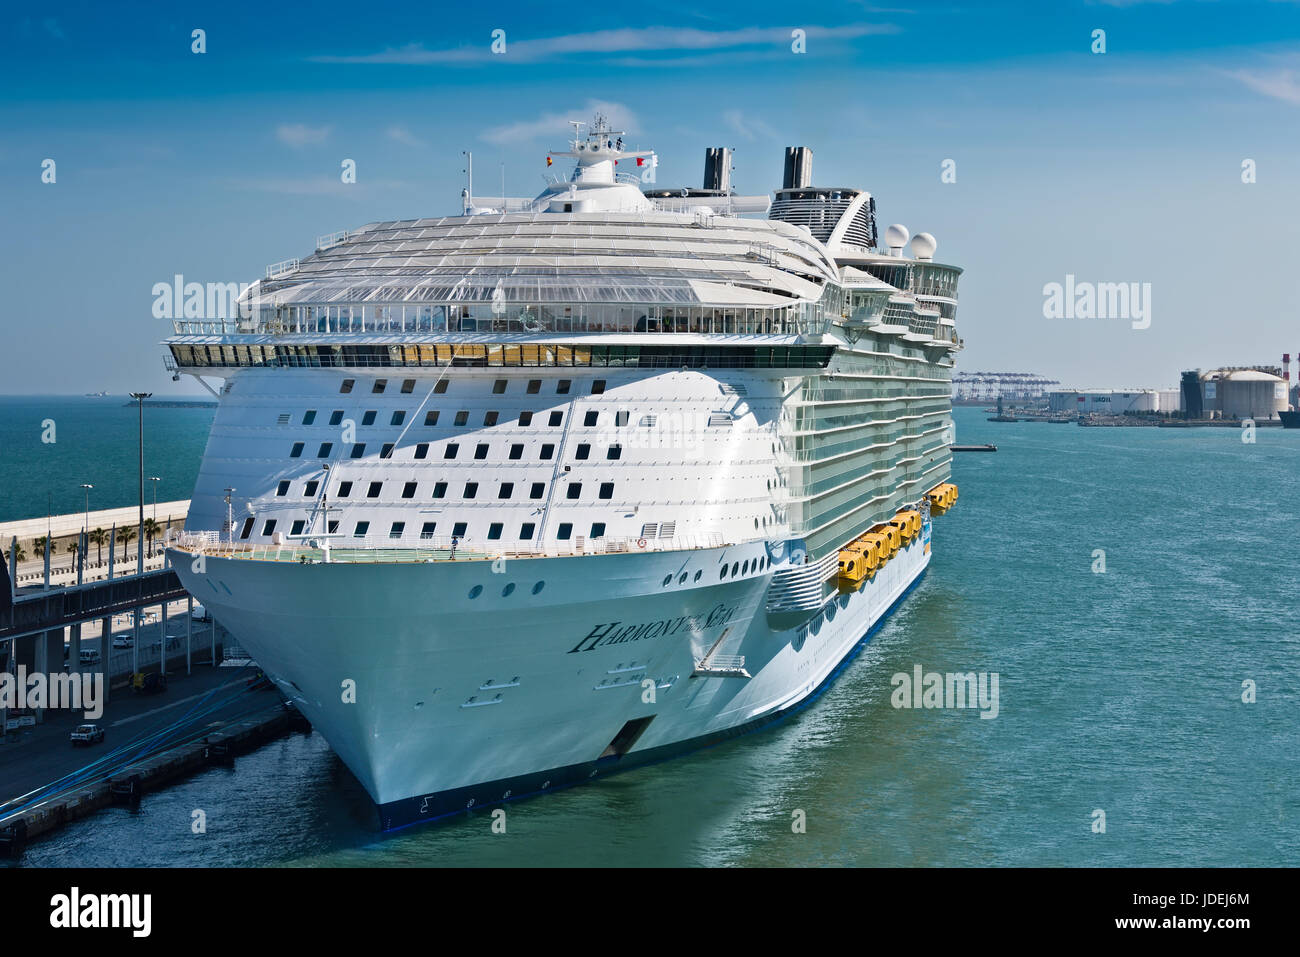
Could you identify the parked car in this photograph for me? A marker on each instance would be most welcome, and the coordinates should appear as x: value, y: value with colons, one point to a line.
x: 89, y: 656
x: 123, y: 641
x: 87, y: 734
x: 201, y: 614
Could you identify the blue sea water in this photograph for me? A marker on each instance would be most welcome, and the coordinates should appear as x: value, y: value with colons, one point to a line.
x: 1120, y: 691
x: 95, y: 440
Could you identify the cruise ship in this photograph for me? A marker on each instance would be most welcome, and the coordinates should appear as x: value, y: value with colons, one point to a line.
x: 509, y: 500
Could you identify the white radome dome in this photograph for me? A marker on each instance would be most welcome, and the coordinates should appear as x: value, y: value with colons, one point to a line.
x: 924, y: 245
x: 896, y: 236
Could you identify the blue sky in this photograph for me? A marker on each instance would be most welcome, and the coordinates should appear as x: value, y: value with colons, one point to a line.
x: 1115, y: 167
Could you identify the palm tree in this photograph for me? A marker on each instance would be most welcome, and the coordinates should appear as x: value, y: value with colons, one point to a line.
x: 39, y: 544
x: 124, y: 535
x: 151, y: 528
x: 16, y: 555
x: 97, y: 538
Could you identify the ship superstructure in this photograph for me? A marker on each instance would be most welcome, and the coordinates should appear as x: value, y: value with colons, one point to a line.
x: 562, y: 485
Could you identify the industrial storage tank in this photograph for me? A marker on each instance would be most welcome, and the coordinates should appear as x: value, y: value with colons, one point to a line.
x: 1243, y: 393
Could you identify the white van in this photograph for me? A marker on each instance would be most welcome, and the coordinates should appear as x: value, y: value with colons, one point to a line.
x: 201, y: 614
x: 89, y: 656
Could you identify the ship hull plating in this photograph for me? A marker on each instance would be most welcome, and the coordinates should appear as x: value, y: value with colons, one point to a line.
x: 448, y: 686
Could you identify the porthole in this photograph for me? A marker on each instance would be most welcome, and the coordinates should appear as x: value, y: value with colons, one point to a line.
x: 744, y: 569
x: 537, y: 589
x: 722, y: 574
x: 735, y: 568
x: 697, y: 576
x: 508, y: 590
x: 682, y: 579
x: 667, y: 579
x: 476, y: 591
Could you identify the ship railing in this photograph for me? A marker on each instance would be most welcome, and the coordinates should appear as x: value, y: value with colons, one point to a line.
x: 282, y: 268
x: 374, y: 550
x: 332, y: 239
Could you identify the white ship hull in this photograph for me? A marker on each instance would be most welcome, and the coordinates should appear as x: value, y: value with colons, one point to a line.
x: 440, y: 703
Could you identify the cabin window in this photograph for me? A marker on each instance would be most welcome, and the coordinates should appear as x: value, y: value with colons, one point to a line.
x: 426, y: 530
x: 490, y: 418
x: 431, y: 417
x: 248, y: 527
x: 309, y: 417
x: 282, y: 488
x: 450, y: 451
x: 380, y: 386
x: 556, y: 418
x: 297, y: 527
x: 336, y: 417
x: 439, y: 489
x: 597, y: 386
x: 398, y: 418
x: 347, y: 385
x: 408, y: 490
x: 526, y: 530
x: 606, y: 489
x: 565, y: 531
x: 422, y: 450
x: 361, y: 529
x: 441, y: 387
x: 471, y: 489
x: 462, y: 417
x: 369, y: 417
x: 375, y: 488
x: 548, y: 450
x: 562, y: 387
x: 480, y: 451
x: 397, y: 529
x: 358, y: 450
x: 534, y: 386
x: 296, y: 451
x: 499, y: 387
x: 525, y: 418
x: 517, y: 451
x: 386, y: 450
x: 345, y: 489
x: 614, y: 452
x: 590, y: 418
x: 538, y: 490
x: 310, y: 488
x: 583, y: 451
x: 494, y: 531
x: 458, y: 530
x: 574, y: 490
x: 408, y: 386
x: 507, y: 489
x: 269, y: 527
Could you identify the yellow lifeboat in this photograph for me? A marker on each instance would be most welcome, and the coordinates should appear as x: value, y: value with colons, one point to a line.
x: 941, y: 497
x: 860, y: 558
x: 894, y: 537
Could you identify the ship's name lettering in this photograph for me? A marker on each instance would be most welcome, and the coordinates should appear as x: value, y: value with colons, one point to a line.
x: 616, y: 632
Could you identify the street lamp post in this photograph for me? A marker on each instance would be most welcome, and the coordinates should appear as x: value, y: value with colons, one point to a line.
x: 155, y: 479
x: 139, y: 541
x: 85, y: 527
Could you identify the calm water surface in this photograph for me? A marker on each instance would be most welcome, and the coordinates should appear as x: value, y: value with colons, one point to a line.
x: 1118, y: 691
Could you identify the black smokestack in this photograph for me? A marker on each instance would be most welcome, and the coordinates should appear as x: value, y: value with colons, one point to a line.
x: 798, y: 167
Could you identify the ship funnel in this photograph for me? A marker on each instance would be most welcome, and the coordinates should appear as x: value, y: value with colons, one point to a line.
x: 717, y: 169
x: 798, y: 167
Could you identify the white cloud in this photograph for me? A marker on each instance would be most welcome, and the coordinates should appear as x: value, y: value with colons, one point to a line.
x: 748, y: 127
x: 555, y: 126
x: 631, y: 40
x: 1281, y: 84
x: 400, y: 134
x: 300, y: 134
